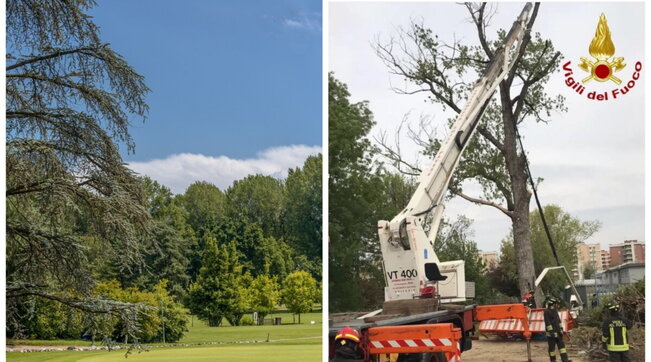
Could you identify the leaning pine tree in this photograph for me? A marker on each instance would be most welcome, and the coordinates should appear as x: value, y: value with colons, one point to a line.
x: 68, y: 193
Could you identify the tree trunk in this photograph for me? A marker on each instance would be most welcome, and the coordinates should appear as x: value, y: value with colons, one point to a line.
x: 522, y: 243
x: 515, y: 165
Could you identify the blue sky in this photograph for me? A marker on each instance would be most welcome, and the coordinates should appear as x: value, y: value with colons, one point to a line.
x: 234, y: 83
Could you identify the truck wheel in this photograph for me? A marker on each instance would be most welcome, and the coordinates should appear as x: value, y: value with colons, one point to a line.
x: 438, y: 357
x: 422, y: 357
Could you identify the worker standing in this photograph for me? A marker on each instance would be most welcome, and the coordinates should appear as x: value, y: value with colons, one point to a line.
x: 554, y: 331
x: 615, y: 334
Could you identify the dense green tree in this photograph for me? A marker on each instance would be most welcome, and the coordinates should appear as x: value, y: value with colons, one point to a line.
x: 150, y: 321
x: 302, y: 262
x: 566, y: 230
x: 299, y: 292
x: 206, y: 208
x: 447, y: 72
x: 264, y: 295
x: 454, y: 242
x: 69, y: 101
x: 304, y: 208
x: 504, y: 277
x: 168, y: 258
x: 216, y: 293
x: 258, y: 199
x: 283, y: 260
x: 396, y: 190
x: 257, y: 253
x: 48, y: 319
x: 205, y: 205
x: 588, y: 272
x: 173, y: 315
x: 352, y: 194
x: 240, y: 301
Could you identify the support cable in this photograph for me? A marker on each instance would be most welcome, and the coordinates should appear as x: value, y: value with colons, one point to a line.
x: 535, y: 194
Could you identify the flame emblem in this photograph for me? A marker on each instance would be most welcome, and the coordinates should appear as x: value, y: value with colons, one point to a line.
x: 602, y: 49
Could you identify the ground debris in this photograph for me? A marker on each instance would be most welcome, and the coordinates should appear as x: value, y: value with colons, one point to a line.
x: 588, y: 340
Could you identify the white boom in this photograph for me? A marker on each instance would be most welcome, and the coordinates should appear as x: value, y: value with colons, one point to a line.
x: 410, y: 262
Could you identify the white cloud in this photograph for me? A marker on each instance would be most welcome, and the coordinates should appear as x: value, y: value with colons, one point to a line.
x: 180, y: 170
x: 304, y: 21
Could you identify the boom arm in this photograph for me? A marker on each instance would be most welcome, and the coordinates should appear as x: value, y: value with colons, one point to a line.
x: 405, y: 247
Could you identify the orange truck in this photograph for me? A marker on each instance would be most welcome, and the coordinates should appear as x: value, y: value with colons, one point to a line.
x: 440, y: 336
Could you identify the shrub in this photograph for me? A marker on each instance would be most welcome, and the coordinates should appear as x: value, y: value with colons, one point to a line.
x: 246, y: 321
x: 149, y: 320
x: 50, y: 320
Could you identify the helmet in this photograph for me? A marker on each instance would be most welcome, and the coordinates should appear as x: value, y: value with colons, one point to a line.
x: 347, y: 333
x: 550, y: 300
x: 613, y: 306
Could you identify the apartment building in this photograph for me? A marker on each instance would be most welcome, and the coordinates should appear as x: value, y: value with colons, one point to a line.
x: 590, y: 256
x: 630, y: 251
x: 490, y: 258
x: 604, y: 259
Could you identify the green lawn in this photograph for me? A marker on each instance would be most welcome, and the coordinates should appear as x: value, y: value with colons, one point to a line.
x: 310, y: 351
x: 202, y: 333
x: 289, y: 342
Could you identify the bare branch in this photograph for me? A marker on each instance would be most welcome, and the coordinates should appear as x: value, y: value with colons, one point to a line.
x: 521, y: 98
x: 56, y: 54
x: 479, y: 21
x: 485, y: 202
x: 489, y: 136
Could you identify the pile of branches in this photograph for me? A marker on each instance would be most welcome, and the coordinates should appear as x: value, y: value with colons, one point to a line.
x: 631, y: 300
x: 588, y: 337
x: 588, y: 341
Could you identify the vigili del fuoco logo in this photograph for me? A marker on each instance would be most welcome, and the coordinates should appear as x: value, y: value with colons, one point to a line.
x: 601, y: 67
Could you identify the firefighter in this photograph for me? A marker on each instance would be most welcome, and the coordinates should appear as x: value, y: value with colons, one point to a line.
x: 347, y: 345
x: 615, y: 334
x: 553, y: 330
x: 529, y: 299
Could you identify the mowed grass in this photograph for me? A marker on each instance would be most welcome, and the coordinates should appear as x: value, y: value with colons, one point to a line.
x: 288, y: 342
x: 305, y: 351
x: 202, y: 333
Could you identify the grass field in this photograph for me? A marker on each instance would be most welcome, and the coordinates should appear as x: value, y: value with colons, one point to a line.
x: 288, y: 342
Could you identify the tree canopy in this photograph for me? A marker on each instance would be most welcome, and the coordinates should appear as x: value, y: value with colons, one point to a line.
x: 567, y: 232
x: 361, y: 192
x: 350, y: 195
x: 454, y: 242
x: 216, y: 293
x: 70, y: 100
x: 299, y: 292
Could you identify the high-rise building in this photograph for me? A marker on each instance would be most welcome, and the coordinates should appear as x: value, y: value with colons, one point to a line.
x: 630, y: 251
x: 604, y: 260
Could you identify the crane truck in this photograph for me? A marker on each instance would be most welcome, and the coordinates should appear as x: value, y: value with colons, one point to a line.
x: 418, y: 320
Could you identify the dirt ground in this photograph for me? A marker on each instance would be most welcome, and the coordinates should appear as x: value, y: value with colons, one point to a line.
x: 497, y: 350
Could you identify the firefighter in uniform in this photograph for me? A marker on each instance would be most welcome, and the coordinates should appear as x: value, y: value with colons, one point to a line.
x: 347, y: 346
x: 529, y: 299
x: 615, y: 334
x: 553, y: 330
